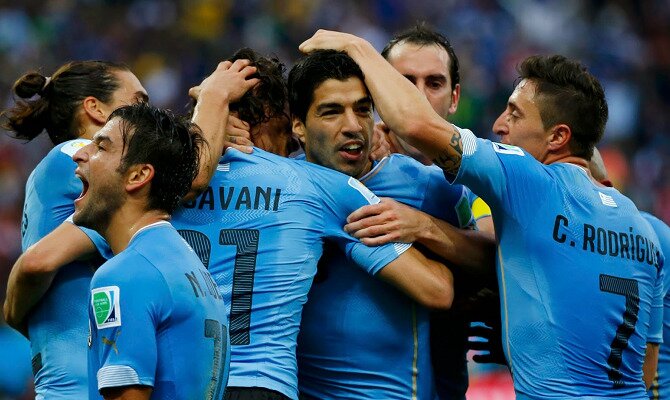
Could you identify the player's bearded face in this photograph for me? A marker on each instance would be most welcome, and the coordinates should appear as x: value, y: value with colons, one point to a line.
x: 103, y: 190
x: 339, y: 125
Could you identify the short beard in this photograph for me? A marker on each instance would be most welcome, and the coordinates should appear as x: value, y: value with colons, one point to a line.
x: 98, y: 217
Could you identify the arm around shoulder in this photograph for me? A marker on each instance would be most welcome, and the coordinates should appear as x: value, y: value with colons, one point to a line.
x: 35, y: 269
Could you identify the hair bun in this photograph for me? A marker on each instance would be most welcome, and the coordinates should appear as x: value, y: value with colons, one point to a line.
x: 30, y: 84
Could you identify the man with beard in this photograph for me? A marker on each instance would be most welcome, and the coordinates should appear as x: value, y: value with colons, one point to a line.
x: 144, y: 305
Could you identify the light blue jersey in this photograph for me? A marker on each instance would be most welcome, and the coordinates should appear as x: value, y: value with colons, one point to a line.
x: 360, y: 337
x: 260, y: 228
x: 660, y: 388
x: 157, y: 319
x: 578, y: 273
x: 57, y: 324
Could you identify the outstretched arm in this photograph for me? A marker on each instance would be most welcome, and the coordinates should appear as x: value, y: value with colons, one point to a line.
x: 34, y: 271
x: 224, y: 86
x: 400, y: 105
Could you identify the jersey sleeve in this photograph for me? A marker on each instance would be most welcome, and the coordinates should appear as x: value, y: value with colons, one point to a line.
x: 129, y: 300
x: 341, y: 196
x: 446, y: 201
x: 505, y: 176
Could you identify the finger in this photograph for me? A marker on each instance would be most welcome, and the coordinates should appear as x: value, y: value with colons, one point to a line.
x: 365, y: 211
x: 248, y: 71
x: 238, y: 123
x: 249, y: 83
x: 378, y: 241
x: 364, y: 223
x: 241, y: 140
x: 242, y: 148
x: 223, y: 65
x: 240, y: 64
x: 482, y: 358
x: 194, y: 92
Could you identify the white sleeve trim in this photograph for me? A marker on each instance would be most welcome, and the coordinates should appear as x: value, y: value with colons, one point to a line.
x: 469, y: 141
x: 116, y: 376
x: 401, y: 247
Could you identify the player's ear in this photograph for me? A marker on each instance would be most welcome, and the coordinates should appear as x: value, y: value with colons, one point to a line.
x: 455, y: 97
x: 95, y: 110
x: 299, y: 129
x: 559, y: 138
x: 139, y: 176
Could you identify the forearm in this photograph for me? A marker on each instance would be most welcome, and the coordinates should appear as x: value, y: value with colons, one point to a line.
x: 650, y: 364
x: 24, y: 291
x: 211, y: 115
x: 474, y: 251
x: 405, y: 110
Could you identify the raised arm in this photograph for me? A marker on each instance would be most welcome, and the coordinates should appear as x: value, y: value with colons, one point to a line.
x: 35, y: 269
x: 400, y: 105
x: 224, y: 86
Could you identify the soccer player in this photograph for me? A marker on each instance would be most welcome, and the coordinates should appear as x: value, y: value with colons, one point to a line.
x: 659, y: 331
x: 578, y: 268
x: 427, y: 59
x: 261, y: 228
x: 79, y: 98
x: 360, y: 337
x: 154, y: 295
x: 73, y: 103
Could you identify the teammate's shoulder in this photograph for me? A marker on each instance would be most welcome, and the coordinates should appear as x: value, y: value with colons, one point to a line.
x: 63, y: 152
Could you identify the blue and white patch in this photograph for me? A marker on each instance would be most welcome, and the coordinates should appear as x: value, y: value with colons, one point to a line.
x: 369, y: 196
x: 73, y: 146
x: 106, y: 303
x: 508, y: 149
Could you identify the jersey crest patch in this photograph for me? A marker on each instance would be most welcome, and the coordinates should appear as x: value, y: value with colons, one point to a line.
x: 369, y: 196
x: 106, y: 306
x: 507, y: 149
x: 73, y: 146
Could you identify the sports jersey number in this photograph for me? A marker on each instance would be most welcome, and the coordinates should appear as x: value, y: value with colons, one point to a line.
x: 629, y: 289
x: 214, y: 330
x: 246, y: 243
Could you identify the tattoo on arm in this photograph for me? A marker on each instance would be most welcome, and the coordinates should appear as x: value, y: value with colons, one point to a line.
x: 450, y: 161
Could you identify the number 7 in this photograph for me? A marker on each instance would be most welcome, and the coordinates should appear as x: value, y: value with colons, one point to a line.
x: 629, y: 289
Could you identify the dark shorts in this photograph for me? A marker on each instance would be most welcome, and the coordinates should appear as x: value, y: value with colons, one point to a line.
x: 253, y: 393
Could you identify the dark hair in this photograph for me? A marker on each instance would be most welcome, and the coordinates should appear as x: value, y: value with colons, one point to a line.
x: 59, y: 98
x: 170, y: 144
x: 267, y: 99
x: 314, y: 69
x: 568, y: 94
x: 423, y: 35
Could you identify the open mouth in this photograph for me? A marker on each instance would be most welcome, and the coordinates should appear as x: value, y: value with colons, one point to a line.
x: 352, y: 150
x: 85, y: 186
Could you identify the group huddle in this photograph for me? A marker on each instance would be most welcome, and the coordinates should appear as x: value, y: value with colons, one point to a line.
x: 278, y: 244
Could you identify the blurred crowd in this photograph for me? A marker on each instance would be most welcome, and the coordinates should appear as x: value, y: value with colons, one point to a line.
x: 172, y: 45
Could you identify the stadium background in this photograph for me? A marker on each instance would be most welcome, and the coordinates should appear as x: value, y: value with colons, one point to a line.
x: 171, y: 45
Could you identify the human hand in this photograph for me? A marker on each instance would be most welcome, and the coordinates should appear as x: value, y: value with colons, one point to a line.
x: 380, y: 146
x: 238, y: 135
x: 492, y: 343
x: 230, y: 81
x: 386, y: 221
x: 324, y: 39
